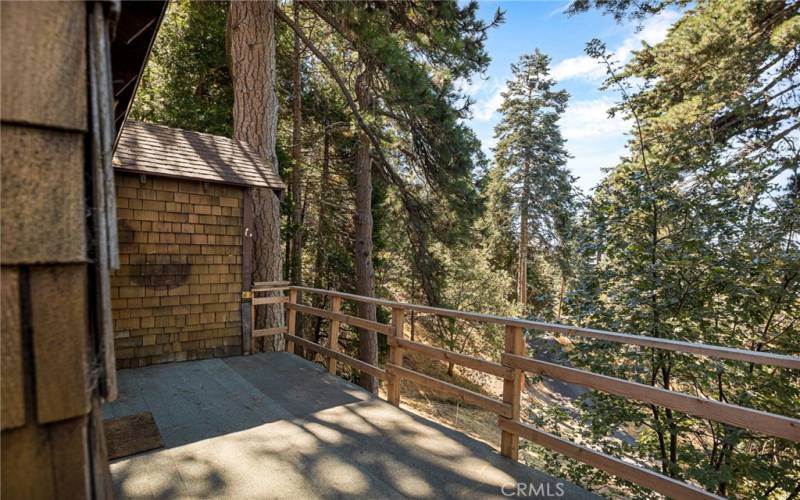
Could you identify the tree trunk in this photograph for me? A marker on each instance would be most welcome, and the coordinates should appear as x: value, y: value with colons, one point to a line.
x: 322, y: 220
x: 522, y: 254
x: 365, y: 274
x: 295, y: 269
x: 251, y: 45
x: 296, y: 263
x: 561, y: 292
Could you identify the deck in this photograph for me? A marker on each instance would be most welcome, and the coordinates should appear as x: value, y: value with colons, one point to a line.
x: 273, y: 425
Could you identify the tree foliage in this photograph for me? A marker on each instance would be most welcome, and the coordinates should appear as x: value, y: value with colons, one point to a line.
x: 530, y: 180
x: 693, y: 236
x: 187, y: 83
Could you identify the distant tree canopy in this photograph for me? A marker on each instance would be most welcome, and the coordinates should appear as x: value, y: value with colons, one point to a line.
x: 692, y: 235
x: 186, y: 82
x: 530, y: 180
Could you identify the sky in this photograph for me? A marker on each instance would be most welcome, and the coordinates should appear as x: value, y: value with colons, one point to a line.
x: 594, y: 140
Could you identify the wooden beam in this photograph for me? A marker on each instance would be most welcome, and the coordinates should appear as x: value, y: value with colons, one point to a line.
x: 270, y: 284
x: 713, y: 351
x: 333, y: 337
x: 464, y: 395
x: 746, y: 418
x: 344, y: 358
x: 395, y: 355
x: 267, y: 332
x: 466, y: 360
x: 512, y: 391
x: 342, y: 318
x: 638, y: 475
x: 292, y: 323
x: 270, y: 289
x: 257, y: 301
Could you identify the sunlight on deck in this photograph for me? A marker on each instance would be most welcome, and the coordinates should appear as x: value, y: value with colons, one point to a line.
x: 275, y: 426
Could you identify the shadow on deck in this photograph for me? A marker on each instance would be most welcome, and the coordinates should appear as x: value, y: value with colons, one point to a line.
x: 273, y: 425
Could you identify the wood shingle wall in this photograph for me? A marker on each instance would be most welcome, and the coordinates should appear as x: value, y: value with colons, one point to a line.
x: 177, y: 294
x: 51, y: 445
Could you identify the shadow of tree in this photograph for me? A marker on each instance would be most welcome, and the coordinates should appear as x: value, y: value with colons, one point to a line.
x: 291, y: 430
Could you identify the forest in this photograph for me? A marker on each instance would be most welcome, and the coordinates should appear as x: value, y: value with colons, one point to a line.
x: 692, y: 235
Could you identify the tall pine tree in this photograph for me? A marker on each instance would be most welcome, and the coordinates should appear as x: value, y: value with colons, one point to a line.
x: 530, y: 159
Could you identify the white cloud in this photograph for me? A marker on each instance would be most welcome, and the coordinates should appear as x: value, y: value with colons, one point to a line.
x: 591, y: 157
x: 578, y: 67
x: 593, y: 139
x: 484, y: 109
x: 589, y: 118
x: 560, y: 10
x: 584, y: 67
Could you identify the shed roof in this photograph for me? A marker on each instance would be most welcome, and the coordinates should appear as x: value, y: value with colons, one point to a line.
x: 158, y: 150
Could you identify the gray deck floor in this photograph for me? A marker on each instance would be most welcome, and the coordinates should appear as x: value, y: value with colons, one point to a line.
x: 273, y: 425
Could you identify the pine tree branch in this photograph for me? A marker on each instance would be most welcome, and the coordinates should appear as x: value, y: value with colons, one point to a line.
x: 386, y: 170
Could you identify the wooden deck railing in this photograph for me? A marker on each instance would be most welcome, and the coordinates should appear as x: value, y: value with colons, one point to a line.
x: 515, y: 362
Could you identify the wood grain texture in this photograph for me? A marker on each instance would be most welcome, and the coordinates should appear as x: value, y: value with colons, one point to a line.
x: 42, y: 199
x: 475, y: 363
x: 649, y: 479
x: 746, y: 418
x: 713, y: 351
x: 44, y: 64
x: 266, y: 332
x: 396, y: 354
x: 291, y: 321
x: 59, y: 319
x: 27, y: 471
x: 465, y: 395
x: 69, y: 443
x: 333, y: 339
x: 342, y: 318
x: 12, y: 382
x: 344, y: 358
x: 270, y: 300
x: 512, y: 391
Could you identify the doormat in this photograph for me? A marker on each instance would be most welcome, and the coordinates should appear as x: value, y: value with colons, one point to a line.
x: 132, y: 434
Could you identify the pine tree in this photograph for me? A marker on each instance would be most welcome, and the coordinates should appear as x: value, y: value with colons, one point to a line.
x: 530, y: 158
x: 407, y: 56
x: 699, y: 242
x: 251, y: 36
x: 186, y: 83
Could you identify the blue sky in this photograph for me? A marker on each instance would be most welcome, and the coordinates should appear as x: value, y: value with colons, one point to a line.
x: 594, y: 140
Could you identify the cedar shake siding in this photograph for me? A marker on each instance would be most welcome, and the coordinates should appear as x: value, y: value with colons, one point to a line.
x: 177, y: 293
x: 181, y: 199
x: 56, y: 247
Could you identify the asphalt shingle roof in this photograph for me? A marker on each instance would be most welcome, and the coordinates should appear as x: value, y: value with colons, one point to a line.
x: 158, y: 150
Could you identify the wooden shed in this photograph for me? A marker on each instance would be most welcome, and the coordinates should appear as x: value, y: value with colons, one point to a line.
x: 185, y: 243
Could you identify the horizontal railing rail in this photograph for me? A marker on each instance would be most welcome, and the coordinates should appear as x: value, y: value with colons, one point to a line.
x: 514, y: 363
x: 709, y: 409
x: 714, y: 351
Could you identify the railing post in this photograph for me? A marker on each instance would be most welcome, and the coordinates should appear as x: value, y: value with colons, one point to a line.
x: 333, y: 337
x: 396, y: 355
x: 252, y: 340
x: 512, y: 391
x: 292, y: 321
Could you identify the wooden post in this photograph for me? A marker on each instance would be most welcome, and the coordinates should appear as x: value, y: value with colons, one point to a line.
x: 396, y: 355
x: 252, y: 341
x: 512, y: 390
x: 292, y: 321
x: 333, y: 338
x: 248, y: 311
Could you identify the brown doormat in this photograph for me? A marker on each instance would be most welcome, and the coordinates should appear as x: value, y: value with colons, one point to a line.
x: 132, y: 434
